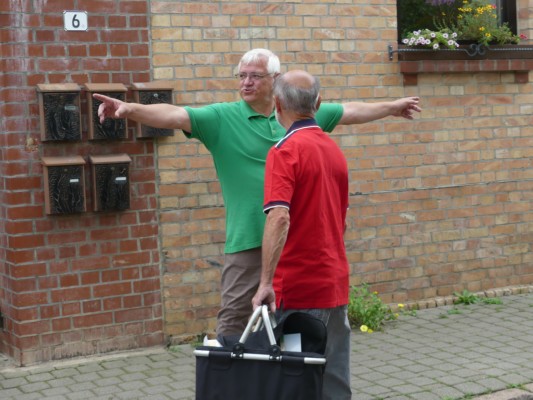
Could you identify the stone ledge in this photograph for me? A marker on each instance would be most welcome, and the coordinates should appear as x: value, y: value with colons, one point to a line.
x: 449, y: 300
x: 519, y: 67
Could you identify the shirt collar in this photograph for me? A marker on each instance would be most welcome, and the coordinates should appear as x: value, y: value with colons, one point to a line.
x: 249, y: 112
x: 304, y: 123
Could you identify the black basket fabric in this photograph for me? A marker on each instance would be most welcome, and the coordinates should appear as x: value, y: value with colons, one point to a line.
x: 225, y: 373
x: 221, y: 377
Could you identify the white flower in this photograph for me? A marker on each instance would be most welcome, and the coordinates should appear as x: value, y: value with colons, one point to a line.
x: 435, y: 46
x: 445, y: 35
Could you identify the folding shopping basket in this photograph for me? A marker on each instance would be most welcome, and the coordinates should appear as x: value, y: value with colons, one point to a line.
x: 241, y: 372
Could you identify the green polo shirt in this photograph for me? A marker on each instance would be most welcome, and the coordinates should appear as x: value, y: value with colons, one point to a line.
x: 238, y: 138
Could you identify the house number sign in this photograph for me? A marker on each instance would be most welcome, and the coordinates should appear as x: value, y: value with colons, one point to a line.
x: 75, y: 20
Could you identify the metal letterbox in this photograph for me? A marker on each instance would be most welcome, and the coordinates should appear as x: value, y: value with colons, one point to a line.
x: 110, y: 129
x: 59, y: 111
x: 152, y: 93
x: 111, y: 182
x: 64, y: 184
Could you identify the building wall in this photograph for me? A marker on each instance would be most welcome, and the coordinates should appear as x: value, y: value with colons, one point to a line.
x: 81, y: 283
x: 438, y: 204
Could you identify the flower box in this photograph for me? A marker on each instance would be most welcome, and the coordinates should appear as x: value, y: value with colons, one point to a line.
x: 467, y: 52
x: 515, y: 59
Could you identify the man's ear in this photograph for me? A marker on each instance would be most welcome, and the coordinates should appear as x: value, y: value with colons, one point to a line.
x: 277, y: 104
x: 318, y: 101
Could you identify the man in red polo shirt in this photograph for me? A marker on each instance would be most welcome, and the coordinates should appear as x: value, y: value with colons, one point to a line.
x: 304, y: 264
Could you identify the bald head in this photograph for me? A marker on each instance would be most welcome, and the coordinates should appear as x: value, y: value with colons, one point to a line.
x: 300, y: 79
x: 297, y: 92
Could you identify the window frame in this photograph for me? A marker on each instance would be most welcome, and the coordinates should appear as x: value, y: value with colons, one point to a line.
x: 507, y: 10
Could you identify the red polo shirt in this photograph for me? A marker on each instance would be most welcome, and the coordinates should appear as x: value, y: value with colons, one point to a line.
x: 307, y: 173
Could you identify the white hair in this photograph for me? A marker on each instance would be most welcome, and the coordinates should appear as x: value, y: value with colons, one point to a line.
x: 254, y: 55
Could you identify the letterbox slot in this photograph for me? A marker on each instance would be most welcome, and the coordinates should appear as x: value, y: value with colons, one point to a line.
x: 64, y: 184
x: 152, y: 93
x: 109, y: 129
x: 110, y: 177
x: 59, y: 111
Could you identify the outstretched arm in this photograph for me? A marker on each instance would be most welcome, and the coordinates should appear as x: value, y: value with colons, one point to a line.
x: 359, y: 112
x: 155, y: 115
x: 274, y: 238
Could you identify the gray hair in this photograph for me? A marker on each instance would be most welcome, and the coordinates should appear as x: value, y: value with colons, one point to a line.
x: 295, y: 98
x: 254, y: 55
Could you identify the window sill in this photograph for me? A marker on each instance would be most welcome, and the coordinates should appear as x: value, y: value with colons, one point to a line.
x: 517, y: 59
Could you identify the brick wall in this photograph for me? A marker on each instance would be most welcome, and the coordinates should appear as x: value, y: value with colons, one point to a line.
x: 90, y: 282
x: 437, y: 205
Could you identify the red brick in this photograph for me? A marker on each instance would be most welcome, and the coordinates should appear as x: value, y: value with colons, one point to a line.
x: 59, y: 267
x: 50, y: 311
x: 146, y: 285
x: 129, y: 274
x: 53, y: 50
x: 88, y: 249
x: 92, y: 306
x: 19, y: 256
x: 70, y: 308
x: 47, y: 282
x: 22, y: 184
x: 98, y: 50
x: 52, y: 339
x: 18, y: 227
x: 132, y: 301
x: 117, y: 21
x: 90, y: 36
x: 128, y: 246
x: 26, y: 314
x: 109, y: 234
x: 133, y: 7
x: 77, y: 50
x: 112, y: 289
x: 25, y: 241
x: 92, y: 263
x: 114, y: 303
x: 54, y: 65
x: 119, y: 50
x: 101, y: 7
x: 92, y: 320
x: 66, y: 237
x: 136, y: 314
x: 22, y: 285
x: 32, y: 328
x: 30, y: 299
x: 63, y: 295
x: 61, y: 324
x: 90, y: 278
x: 24, y: 271
x: 69, y: 280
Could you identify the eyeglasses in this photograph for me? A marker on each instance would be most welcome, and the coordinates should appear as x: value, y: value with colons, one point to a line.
x: 253, y: 77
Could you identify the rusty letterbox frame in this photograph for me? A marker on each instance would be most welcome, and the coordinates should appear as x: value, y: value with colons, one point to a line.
x: 110, y: 182
x: 64, y: 184
x: 59, y: 111
x: 110, y: 129
x: 152, y: 93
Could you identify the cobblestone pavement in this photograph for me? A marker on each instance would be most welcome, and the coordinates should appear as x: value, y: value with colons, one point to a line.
x: 443, y: 353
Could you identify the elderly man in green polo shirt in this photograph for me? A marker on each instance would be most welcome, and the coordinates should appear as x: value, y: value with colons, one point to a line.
x: 238, y: 135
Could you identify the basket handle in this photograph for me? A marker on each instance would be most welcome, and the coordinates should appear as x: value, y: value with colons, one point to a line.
x: 258, y: 314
